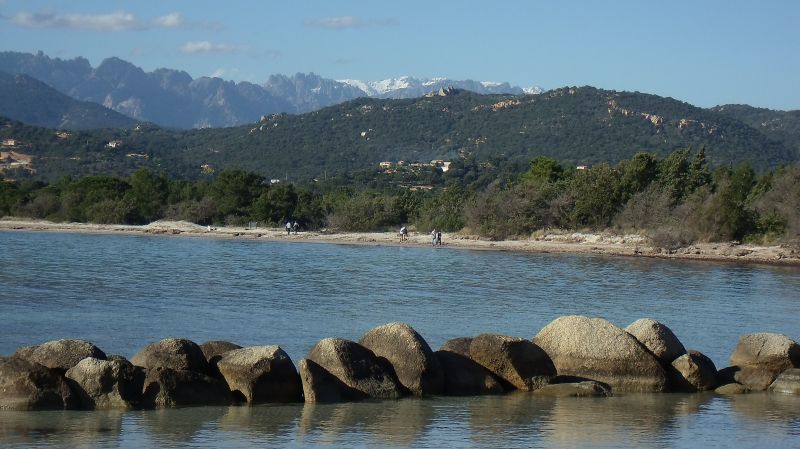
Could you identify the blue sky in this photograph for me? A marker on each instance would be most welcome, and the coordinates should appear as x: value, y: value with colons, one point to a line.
x: 704, y: 52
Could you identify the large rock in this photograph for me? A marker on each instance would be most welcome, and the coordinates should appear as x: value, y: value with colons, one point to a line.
x: 458, y: 345
x: 357, y: 367
x: 593, y: 348
x: 165, y: 387
x: 173, y: 353
x: 658, y: 339
x: 261, y: 374
x: 762, y: 357
x: 587, y: 388
x: 62, y: 355
x: 412, y: 359
x: 465, y: 377
x: 319, y: 385
x: 691, y: 372
x: 26, y: 385
x: 107, y: 384
x: 214, y: 350
x: 787, y: 382
x: 517, y: 361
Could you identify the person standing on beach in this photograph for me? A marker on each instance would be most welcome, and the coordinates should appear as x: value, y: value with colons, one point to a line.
x: 288, y: 227
x: 295, y: 227
x: 439, y: 238
x: 433, y: 237
x: 403, y: 233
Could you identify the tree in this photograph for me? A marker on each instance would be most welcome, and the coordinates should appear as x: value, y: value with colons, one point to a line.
x: 234, y: 192
x: 543, y: 169
x: 277, y: 204
x: 148, y: 194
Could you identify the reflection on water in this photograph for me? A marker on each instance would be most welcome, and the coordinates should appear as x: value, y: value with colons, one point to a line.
x: 514, y: 420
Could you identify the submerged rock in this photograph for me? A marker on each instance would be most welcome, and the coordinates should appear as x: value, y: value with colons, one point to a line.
x: 587, y: 388
x: 173, y: 353
x: 261, y: 374
x: 658, y: 339
x: 357, y: 367
x: 107, y: 384
x: 409, y: 354
x: 26, y: 385
x: 731, y: 389
x: 787, y: 382
x: 595, y: 349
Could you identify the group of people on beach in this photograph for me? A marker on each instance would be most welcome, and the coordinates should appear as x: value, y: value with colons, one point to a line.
x: 436, y: 236
x: 292, y: 226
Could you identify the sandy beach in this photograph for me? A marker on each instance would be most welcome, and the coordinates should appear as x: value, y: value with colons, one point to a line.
x: 630, y: 245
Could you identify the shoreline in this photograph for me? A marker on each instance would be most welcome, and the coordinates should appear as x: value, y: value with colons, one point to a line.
x: 631, y: 245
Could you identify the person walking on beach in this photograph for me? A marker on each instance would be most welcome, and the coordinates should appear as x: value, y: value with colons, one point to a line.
x: 288, y: 227
x: 295, y: 227
x: 439, y: 238
x: 403, y: 233
x: 433, y: 237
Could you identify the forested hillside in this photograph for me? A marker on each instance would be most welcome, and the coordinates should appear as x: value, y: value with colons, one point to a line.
x: 578, y: 126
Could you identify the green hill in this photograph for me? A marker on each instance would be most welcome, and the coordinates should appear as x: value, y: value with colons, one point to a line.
x: 31, y: 101
x: 576, y: 125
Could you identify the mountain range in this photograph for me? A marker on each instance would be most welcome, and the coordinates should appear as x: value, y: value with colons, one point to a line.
x: 172, y: 98
x: 575, y: 125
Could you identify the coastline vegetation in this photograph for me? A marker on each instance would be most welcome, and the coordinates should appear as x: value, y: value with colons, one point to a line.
x: 676, y: 200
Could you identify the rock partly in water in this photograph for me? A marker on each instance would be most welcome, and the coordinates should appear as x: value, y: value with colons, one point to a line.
x: 62, y: 355
x: 107, y: 384
x: 787, y: 382
x: 321, y: 386
x: 587, y: 388
x: 174, y: 353
x: 26, y: 385
x: 517, y: 361
x: 165, y: 387
x: 409, y: 354
x: 357, y: 367
x: 465, y: 377
x: 762, y: 357
x: 261, y: 374
x: 594, y: 348
x: 691, y: 372
x: 658, y: 339
x: 731, y: 389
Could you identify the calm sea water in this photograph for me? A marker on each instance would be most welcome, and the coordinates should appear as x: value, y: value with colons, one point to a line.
x: 122, y: 292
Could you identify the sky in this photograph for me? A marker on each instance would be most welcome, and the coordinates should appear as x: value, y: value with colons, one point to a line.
x: 705, y: 52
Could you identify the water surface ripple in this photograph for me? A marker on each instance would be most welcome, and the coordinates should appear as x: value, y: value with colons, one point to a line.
x: 123, y: 292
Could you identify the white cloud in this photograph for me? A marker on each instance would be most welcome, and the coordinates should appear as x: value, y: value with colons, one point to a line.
x: 206, y: 47
x: 172, y: 20
x: 336, y: 23
x: 116, y: 21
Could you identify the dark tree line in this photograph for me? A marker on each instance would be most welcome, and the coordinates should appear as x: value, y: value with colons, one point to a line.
x: 675, y: 200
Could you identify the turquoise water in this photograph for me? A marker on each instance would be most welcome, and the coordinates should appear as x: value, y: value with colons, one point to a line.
x: 122, y: 292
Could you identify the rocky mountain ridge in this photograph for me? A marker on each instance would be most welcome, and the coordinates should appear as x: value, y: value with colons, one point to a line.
x: 172, y: 98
